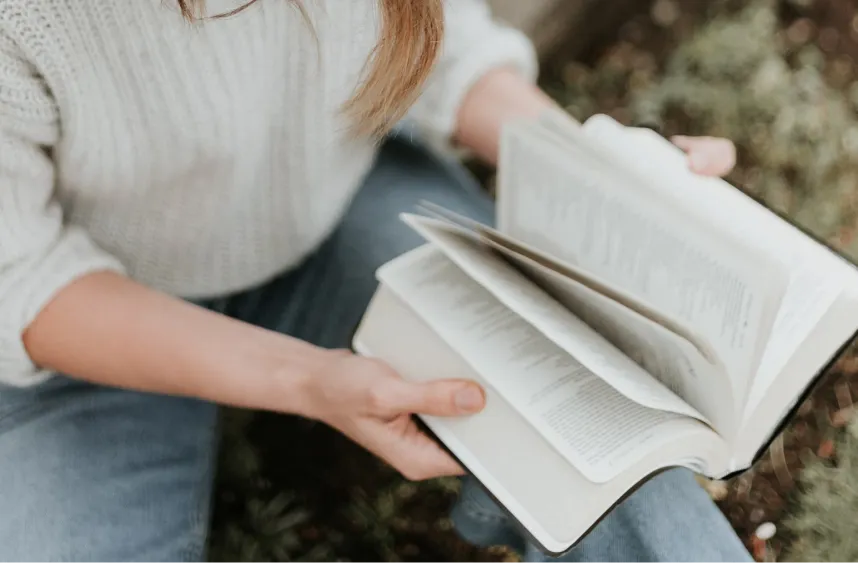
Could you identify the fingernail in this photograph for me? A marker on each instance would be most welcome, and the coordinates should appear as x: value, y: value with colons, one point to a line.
x: 699, y: 162
x: 469, y: 399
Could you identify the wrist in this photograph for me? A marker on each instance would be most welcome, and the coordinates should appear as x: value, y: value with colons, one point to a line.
x: 502, y: 94
x: 292, y: 370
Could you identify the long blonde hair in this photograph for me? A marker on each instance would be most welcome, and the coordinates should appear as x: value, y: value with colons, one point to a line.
x: 411, y: 35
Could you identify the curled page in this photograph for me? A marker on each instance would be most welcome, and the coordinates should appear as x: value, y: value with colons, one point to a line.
x: 590, y: 208
x: 816, y: 279
x: 550, y: 318
x: 596, y: 428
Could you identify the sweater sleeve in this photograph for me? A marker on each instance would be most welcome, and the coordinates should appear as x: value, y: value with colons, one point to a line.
x: 39, y: 255
x: 474, y: 43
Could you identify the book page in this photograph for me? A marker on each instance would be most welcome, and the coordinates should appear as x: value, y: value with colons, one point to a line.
x: 597, y: 429
x: 669, y: 358
x: 567, y: 202
x: 545, y: 314
x: 837, y: 328
x: 539, y: 487
x: 807, y: 300
x: 816, y: 279
x: 512, y: 248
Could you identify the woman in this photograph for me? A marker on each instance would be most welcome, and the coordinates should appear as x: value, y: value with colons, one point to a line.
x: 191, y: 212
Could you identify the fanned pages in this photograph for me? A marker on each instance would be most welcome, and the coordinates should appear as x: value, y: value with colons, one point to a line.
x: 624, y: 315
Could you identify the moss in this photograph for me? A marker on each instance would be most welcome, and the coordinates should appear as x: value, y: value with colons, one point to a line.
x: 797, y: 135
x: 737, y: 77
x: 823, y: 519
x: 254, y: 520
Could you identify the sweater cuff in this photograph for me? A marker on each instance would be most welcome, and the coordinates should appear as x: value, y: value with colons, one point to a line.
x: 27, y: 287
x: 436, y: 111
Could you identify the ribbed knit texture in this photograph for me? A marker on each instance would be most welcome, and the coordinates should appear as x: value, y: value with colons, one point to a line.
x: 198, y: 159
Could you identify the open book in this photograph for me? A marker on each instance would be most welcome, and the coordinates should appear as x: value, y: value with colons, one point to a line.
x: 625, y: 316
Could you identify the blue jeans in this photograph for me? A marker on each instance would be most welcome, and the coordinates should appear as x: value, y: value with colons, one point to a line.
x: 96, y: 473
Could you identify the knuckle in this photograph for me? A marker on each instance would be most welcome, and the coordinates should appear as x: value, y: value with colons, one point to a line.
x: 378, y: 399
x: 383, y: 368
x: 375, y: 363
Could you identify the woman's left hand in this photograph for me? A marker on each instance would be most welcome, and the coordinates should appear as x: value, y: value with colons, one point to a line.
x: 708, y: 156
x: 503, y: 94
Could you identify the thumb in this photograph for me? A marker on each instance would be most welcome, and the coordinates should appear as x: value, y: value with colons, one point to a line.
x: 434, y: 398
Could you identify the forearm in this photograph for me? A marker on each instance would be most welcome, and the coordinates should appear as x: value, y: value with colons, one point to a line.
x: 501, y: 95
x: 109, y: 330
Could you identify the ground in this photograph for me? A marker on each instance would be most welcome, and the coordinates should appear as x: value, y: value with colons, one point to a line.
x: 777, y: 77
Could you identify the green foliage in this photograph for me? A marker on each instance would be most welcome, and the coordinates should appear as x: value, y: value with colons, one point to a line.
x: 798, y: 136
x: 737, y: 77
x: 823, y: 521
x: 255, y: 521
x: 268, y: 532
x: 380, y: 516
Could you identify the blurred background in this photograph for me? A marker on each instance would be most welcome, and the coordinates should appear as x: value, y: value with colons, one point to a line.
x: 779, y: 77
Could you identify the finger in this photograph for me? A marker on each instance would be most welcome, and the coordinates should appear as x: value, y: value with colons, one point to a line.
x: 435, y: 398
x: 708, y: 156
x: 683, y: 142
x: 414, y: 454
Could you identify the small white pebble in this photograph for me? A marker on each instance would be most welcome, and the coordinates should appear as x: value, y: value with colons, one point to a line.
x: 766, y: 531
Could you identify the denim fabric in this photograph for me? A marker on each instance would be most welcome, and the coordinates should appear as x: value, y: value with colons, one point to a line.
x: 670, y: 518
x: 91, y: 473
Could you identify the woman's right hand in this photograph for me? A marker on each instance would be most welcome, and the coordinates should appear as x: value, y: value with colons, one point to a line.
x: 176, y: 348
x: 369, y: 402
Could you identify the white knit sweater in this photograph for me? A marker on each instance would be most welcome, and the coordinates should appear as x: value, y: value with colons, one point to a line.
x: 197, y: 159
